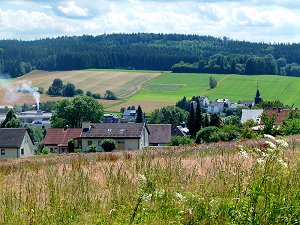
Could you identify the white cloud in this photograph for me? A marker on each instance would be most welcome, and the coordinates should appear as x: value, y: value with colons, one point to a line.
x: 253, y: 20
x: 70, y: 9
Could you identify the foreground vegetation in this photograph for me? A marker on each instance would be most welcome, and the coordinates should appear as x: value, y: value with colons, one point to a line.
x: 203, y: 184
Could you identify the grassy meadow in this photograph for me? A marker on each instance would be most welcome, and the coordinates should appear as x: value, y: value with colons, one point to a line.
x: 155, y: 89
x: 219, y: 183
x: 173, y: 86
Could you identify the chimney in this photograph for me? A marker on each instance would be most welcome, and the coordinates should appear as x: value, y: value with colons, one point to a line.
x: 279, y: 110
x: 182, y: 124
x: 66, y: 127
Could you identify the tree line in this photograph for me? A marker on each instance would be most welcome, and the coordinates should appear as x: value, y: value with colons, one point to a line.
x: 148, y: 51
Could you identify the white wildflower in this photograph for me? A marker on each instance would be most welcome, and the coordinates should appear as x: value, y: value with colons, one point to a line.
x: 112, y: 210
x: 244, y: 154
x: 180, y: 196
x: 271, y: 144
x: 269, y: 136
x: 141, y: 178
x: 260, y: 161
x: 240, y: 147
x: 282, y: 163
x: 159, y: 193
x: 263, y: 154
x: 147, y: 197
x: 258, y: 150
x: 282, y: 143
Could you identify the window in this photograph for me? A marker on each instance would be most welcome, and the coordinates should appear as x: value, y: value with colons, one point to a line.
x: 22, y: 151
x: 90, y: 142
x: 2, y: 151
x: 99, y: 143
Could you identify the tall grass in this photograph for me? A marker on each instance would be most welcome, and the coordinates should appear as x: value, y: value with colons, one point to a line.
x: 219, y: 185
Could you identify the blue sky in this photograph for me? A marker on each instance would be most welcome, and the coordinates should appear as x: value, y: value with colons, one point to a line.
x: 253, y: 20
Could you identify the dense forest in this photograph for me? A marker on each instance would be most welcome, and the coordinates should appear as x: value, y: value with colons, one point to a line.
x: 176, y: 52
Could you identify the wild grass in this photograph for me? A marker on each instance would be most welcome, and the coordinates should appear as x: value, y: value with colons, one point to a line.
x: 204, y: 184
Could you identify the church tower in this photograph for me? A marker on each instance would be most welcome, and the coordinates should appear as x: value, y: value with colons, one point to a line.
x: 257, y: 98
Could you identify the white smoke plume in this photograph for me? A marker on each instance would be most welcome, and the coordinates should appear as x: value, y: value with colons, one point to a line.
x: 27, y: 88
x: 12, y: 91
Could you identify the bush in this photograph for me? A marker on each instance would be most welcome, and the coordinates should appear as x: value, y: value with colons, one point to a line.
x: 45, y: 151
x: 108, y: 145
x: 96, y: 96
x: 92, y: 148
x: 290, y: 126
x: 88, y: 93
x: 79, y: 92
x: 179, y: 141
x: 205, y: 134
x: 78, y: 150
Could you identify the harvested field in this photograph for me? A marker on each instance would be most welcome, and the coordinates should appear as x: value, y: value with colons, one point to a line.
x: 123, y: 84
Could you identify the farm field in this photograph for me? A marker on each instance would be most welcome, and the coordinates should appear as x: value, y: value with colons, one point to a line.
x: 234, y: 87
x: 122, y: 83
x: 201, y: 184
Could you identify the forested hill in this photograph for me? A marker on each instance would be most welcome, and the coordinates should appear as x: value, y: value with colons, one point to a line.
x: 179, y: 53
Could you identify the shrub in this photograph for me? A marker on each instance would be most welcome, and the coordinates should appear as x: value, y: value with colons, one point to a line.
x: 96, y: 95
x: 179, y: 141
x: 108, y: 145
x: 204, y: 135
x: 45, y: 151
x: 92, y: 148
x: 88, y: 93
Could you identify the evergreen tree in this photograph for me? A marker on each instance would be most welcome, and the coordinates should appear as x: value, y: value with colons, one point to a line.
x: 206, y: 121
x: 198, y: 117
x: 191, y: 121
x: 215, y: 120
x: 11, y: 115
x: 139, y: 116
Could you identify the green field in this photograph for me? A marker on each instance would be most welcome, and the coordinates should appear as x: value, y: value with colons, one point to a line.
x: 234, y: 87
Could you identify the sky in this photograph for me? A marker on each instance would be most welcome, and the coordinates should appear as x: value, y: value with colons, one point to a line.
x: 251, y: 20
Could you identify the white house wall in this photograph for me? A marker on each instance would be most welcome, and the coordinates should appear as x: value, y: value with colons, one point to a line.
x: 130, y: 144
x: 9, y: 153
x: 27, y: 145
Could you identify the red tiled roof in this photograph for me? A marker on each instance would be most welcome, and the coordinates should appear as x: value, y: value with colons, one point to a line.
x: 61, y: 136
x: 281, y: 114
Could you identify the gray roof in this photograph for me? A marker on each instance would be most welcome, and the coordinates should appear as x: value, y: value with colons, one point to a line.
x: 201, y: 98
x: 159, y: 133
x: 253, y: 114
x: 216, y: 103
x: 114, y: 130
x: 129, y: 112
x: 248, y: 102
x: 11, y: 137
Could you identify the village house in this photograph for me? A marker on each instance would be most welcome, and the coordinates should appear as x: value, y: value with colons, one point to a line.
x: 111, y: 118
x: 160, y: 134
x: 181, y: 130
x: 251, y: 114
x: 226, y: 101
x: 56, y: 139
x: 280, y: 115
x: 129, y: 115
x: 128, y: 136
x: 215, y: 107
x: 15, y: 143
x: 204, y: 101
x: 248, y: 103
